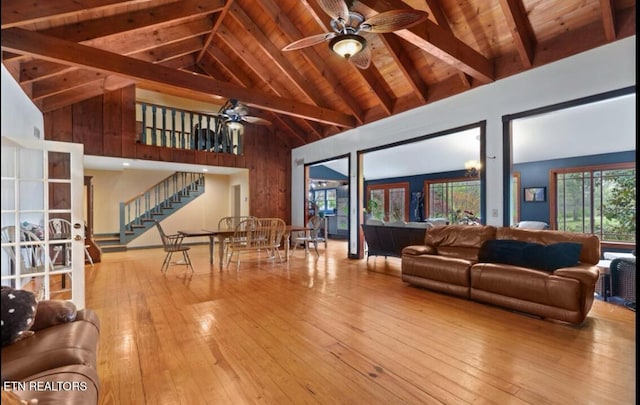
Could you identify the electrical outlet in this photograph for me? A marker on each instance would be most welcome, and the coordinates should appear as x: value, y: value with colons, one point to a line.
x: 494, y: 213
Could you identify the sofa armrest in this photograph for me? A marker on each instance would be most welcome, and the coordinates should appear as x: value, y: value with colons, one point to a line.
x: 585, y: 273
x: 53, y: 312
x: 417, y: 250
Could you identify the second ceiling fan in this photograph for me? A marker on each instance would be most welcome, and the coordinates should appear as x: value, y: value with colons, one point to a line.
x: 347, y: 24
x: 235, y: 114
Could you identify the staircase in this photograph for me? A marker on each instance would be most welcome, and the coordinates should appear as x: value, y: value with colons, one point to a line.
x: 139, y: 214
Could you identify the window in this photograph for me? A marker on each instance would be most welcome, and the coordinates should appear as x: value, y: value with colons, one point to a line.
x: 599, y: 200
x: 458, y: 200
x: 391, y: 202
x: 325, y: 200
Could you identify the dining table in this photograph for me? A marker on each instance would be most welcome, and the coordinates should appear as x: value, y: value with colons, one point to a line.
x: 220, y: 235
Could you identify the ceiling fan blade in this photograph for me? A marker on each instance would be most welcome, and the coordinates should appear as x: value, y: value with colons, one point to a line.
x: 336, y: 9
x: 256, y: 120
x: 309, y: 41
x: 240, y: 109
x: 362, y: 59
x: 393, y: 20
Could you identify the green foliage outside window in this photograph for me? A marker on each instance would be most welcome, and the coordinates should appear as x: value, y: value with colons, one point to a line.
x: 602, y: 202
x: 456, y: 200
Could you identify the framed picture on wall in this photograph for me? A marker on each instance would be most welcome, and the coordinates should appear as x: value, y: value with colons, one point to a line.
x: 535, y: 194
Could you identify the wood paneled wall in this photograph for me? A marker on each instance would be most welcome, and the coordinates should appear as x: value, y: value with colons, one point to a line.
x: 106, y: 125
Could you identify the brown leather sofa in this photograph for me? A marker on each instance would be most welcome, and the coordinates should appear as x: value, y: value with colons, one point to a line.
x: 448, y: 262
x: 57, y: 364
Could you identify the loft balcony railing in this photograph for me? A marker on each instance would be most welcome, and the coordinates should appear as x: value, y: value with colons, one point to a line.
x: 176, y: 128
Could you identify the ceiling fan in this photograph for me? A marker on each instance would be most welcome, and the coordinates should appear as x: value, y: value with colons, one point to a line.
x: 347, y: 24
x: 234, y: 114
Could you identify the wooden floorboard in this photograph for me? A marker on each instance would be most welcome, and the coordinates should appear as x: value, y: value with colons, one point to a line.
x: 333, y: 330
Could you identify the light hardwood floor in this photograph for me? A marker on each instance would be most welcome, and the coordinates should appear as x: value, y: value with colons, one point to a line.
x: 334, y: 330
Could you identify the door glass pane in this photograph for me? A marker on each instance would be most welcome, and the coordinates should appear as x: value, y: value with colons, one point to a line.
x: 378, y: 208
x: 396, y: 204
x: 37, y: 185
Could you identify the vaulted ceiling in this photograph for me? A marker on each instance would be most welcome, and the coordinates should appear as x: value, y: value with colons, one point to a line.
x: 65, y: 51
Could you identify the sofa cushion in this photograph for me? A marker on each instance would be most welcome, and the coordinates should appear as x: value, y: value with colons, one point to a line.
x: 461, y: 241
x: 54, y: 312
x: 590, y: 252
x: 529, y: 254
x: 18, y: 314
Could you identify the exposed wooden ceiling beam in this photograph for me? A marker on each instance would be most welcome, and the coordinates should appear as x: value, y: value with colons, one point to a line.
x: 237, y: 75
x: 125, y: 44
x: 54, y: 49
x: 78, y: 77
x: 305, y: 87
x: 175, y: 13
x: 406, y: 66
x: 441, y: 19
x: 265, y: 76
x: 316, y: 62
x: 520, y: 28
x: 438, y: 41
x: 84, y: 92
x: 216, y: 24
x: 608, y: 19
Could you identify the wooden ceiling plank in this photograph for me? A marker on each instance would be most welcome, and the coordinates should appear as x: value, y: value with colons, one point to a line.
x: 147, y: 20
x: 75, y: 77
x: 238, y: 76
x: 315, y: 60
x: 66, y: 81
x: 37, y: 69
x: 404, y: 62
x: 81, y: 93
x: 258, y: 67
x: 33, y: 43
x: 170, y: 51
x: 73, y: 95
x: 441, y: 20
x: 181, y: 63
x: 521, y: 32
x: 305, y: 87
x: 127, y: 44
x: 437, y: 41
x: 20, y: 12
x: 374, y: 79
x: 608, y: 19
x: 216, y: 25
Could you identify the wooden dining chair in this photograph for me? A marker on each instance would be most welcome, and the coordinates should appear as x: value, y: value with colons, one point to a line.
x: 257, y: 235
x: 312, y: 237
x: 172, y: 243
x: 32, y: 258
x: 229, y: 224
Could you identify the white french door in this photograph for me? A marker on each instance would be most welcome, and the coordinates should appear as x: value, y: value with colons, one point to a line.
x: 41, y: 181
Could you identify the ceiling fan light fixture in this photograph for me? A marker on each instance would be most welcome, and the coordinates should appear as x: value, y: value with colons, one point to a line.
x: 347, y: 45
x: 235, y: 126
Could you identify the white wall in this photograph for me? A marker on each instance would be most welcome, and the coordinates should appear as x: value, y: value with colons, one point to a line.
x: 20, y: 118
x: 582, y: 75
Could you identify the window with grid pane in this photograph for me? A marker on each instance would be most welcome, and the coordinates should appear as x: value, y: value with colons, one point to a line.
x: 599, y: 200
x: 450, y: 198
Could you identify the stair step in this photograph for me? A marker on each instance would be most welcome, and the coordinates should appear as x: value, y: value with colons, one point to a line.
x: 113, y: 248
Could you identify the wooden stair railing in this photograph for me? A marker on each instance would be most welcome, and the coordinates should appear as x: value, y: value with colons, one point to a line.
x: 141, y: 211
